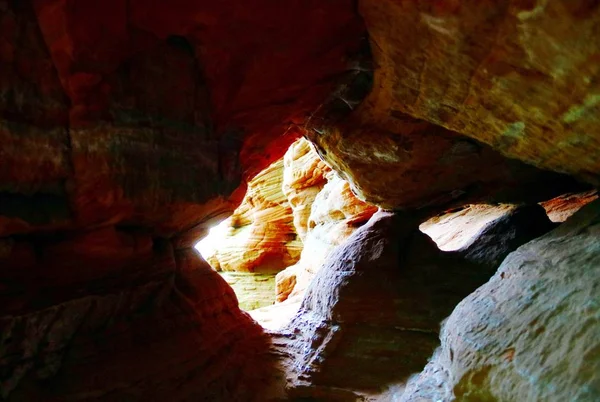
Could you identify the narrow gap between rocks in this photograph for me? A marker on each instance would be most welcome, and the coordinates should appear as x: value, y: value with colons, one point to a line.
x: 297, y: 211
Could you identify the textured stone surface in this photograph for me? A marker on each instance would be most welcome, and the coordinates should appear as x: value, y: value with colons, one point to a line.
x: 559, y: 209
x: 455, y: 229
x: 260, y: 236
x: 303, y: 178
x: 500, y: 237
x: 334, y: 215
x: 521, y: 76
x: 486, y: 234
x: 457, y: 84
x: 147, y: 340
x: 130, y: 128
x: 532, y: 332
x: 127, y: 130
x: 252, y: 290
x: 143, y: 114
x: 372, y: 313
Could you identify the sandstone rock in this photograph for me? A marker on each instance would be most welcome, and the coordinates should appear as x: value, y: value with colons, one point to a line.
x: 459, y: 85
x: 335, y: 214
x: 500, y: 237
x: 486, y: 234
x: 455, y: 229
x: 111, y: 339
x: 531, y: 332
x: 252, y: 290
x: 129, y: 128
x: 371, y: 315
x: 277, y: 316
x: 562, y: 207
x: 519, y: 76
x: 261, y: 236
x: 303, y: 178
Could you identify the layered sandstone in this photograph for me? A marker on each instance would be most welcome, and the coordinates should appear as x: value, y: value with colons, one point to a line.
x: 303, y: 178
x: 261, y: 236
x: 326, y: 212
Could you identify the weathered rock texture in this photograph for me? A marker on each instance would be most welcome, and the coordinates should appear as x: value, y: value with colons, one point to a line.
x: 303, y: 178
x: 148, y: 341
x: 334, y: 213
x: 559, y: 209
x: 458, y: 84
x: 532, y: 332
x: 261, y: 235
x: 252, y: 290
x: 372, y: 313
x: 455, y: 229
x: 521, y: 76
x: 127, y: 130
x: 485, y: 233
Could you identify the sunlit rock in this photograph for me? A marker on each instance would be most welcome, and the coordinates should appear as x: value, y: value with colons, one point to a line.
x: 260, y: 236
x: 303, y: 178
x: 335, y: 213
x: 559, y: 209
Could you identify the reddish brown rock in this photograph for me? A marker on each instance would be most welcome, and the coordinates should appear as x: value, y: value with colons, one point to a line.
x: 559, y: 209
x: 97, y: 339
x: 127, y: 130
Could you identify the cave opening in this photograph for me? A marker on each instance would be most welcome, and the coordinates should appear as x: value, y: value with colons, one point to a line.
x: 297, y: 211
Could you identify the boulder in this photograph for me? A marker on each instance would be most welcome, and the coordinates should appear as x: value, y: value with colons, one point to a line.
x: 371, y: 315
x: 532, y: 332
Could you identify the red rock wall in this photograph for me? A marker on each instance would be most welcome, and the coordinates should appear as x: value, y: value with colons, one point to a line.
x: 127, y: 129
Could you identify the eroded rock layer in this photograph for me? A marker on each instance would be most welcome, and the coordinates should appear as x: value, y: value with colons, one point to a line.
x: 261, y: 236
x: 458, y: 85
x: 327, y: 212
x: 129, y: 128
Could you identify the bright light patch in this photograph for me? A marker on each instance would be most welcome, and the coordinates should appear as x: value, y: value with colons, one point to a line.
x: 213, y: 239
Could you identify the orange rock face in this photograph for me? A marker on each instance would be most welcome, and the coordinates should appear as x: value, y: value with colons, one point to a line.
x: 562, y: 207
x: 326, y: 211
x: 261, y: 236
x: 303, y: 178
